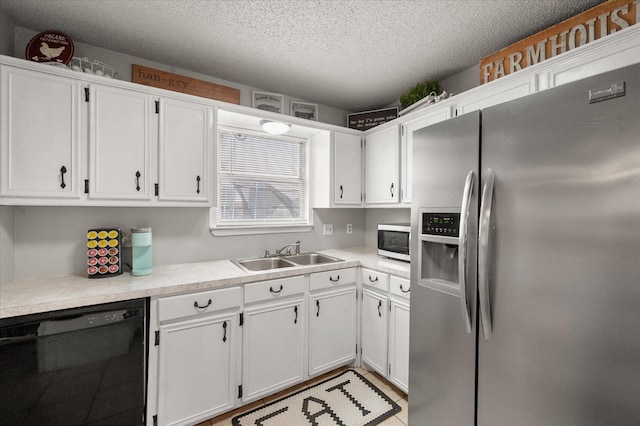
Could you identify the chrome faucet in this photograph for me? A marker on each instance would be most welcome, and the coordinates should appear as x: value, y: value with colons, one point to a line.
x: 288, y: 248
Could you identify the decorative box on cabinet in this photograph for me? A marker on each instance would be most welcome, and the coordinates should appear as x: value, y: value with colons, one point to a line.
x: 194, y: 350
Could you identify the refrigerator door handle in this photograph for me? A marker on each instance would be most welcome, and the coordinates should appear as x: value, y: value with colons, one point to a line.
x: 462, y: 249
x: 483, y: 254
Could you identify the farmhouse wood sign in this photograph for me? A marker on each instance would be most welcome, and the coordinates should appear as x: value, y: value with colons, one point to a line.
x: 595, y: 23
x: 179, y: 83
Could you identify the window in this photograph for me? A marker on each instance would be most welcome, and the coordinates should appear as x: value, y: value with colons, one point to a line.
x: 262, y: 181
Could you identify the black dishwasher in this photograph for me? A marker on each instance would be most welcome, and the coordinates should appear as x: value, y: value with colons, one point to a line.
x: 82, y: 366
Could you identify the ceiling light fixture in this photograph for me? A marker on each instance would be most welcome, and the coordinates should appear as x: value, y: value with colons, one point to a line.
x: 274, y: 127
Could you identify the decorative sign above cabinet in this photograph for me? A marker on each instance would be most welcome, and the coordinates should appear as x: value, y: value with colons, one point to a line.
x: 179, y: 83
x: 595, y: 23
x: 368, y: 119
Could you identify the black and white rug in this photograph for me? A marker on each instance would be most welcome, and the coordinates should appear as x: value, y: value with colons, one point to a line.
x: 345, y: 400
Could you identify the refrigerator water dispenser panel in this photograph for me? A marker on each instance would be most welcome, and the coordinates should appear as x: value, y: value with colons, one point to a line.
x: 446, y: 224
x: 439, y: 249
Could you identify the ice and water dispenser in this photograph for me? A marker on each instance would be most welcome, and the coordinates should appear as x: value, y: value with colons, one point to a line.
x: 438, y: 250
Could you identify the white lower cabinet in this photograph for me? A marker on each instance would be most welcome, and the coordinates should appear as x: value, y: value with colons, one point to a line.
x: 399, y: 333
x: 197, y: 347
x: 332, y: 320
x: 374, y: 330
x: 273, y: 337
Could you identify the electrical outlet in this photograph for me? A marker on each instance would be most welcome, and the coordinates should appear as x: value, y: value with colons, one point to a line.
x: 349, y: 228
x: 126, y: 239
x: 327, y: 229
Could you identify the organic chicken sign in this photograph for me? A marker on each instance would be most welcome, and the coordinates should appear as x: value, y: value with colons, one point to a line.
x: 50, y: 46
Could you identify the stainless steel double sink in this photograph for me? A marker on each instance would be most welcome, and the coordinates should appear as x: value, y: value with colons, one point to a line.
x: 260, y: 264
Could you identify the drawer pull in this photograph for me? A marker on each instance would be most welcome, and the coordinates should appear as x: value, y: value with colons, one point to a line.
x: 275, y: 292
x: 403, y: 290
x: 138, y: 175
x: 372, y: 280
x: 318, y: 308
x: 334, y: 280
x: 63, y: 170
x: 197, y: 306
x: 379, y: 306
x: 295, y: 309
x: 224, y: 327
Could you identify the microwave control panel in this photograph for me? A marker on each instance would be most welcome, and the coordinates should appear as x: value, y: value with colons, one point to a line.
x: 442, y: 224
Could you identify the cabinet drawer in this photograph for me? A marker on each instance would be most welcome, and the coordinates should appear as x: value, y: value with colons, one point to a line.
x: 400, y: 286
x: 375, y: 279
x: 329, y: 279
x: 274, y: 289
x: 198, y: 303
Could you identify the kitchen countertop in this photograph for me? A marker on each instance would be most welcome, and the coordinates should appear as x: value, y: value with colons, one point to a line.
x: 55, y: 293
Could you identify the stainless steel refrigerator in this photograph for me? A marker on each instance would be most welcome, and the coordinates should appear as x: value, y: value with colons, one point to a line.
x: 525, y: 261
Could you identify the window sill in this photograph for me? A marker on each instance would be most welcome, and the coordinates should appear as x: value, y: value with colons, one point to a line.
x: 254, y: 230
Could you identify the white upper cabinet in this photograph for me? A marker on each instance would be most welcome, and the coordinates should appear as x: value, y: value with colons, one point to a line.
x: 348, y: 169
x: 122, y: 127
x: 337, y: 169
x: 185, y: 151
x: 382, y: 166
x: 435, y: 114
x: 40, y: 138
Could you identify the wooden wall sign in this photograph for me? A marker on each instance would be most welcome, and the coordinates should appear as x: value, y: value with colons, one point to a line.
x: 178, y: 83
x: 595, y: 23
x: 368, y: 119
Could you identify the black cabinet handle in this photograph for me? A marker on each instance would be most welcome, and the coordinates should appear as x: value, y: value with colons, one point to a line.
x: 224, y: 327
x: 63, y: 170
x: 295, y: 309
x: 372, y: 280
x: 318, y: 308
x: 334, y: 280
x: 391, y: 189
x: 403, y: 290
x: 274, y: 292
x: 341, y: 192
x: 138, y: 180
x: 198, y: 184
x: 379, y: 306
x: 197, y: 306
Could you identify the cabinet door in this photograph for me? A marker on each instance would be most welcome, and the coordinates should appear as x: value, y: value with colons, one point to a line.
x: 273, y: 346
x: 435, y: 114
x: 121, y: 144
x: 382, y: 151
x: 185, y: 151
x: 196, y: 369
x: 332, y: 330
x: 40, y: 135
x: 399, y: 344
x: 374, y: 330
x: 348, y: 169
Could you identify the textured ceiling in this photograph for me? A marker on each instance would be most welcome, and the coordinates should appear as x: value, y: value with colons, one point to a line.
x: 351, y: 54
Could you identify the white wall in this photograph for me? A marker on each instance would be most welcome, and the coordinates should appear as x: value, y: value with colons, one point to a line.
x: 7, y: 253
x: 122, y: 63
x: 6, y: 34
x: 462, y: 81
x: 51, y: 241
x: 375, y: 216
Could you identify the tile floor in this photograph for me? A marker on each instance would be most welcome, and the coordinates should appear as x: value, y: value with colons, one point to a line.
x: 390, y: 390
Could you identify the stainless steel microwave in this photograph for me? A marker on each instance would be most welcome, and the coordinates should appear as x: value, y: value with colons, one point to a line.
x: 394, y: 240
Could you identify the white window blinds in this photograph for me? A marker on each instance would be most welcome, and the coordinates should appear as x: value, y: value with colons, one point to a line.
x: 262, y: 179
